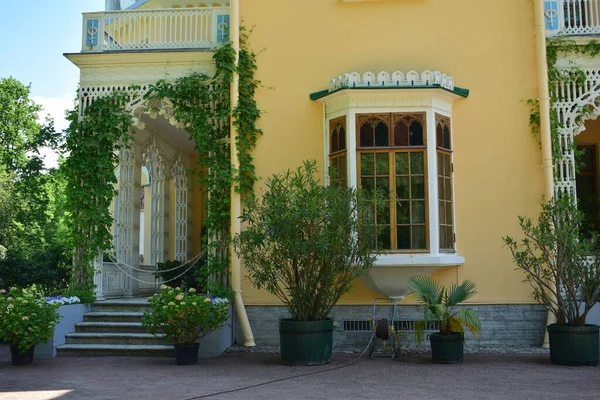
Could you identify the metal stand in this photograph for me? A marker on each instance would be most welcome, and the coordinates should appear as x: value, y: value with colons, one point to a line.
x: 386, y: 339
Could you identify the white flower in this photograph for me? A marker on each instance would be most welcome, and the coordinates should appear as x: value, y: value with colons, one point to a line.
x: 25, y: 318
x: 192, y: 290
x: 2, y: 291
x: 179, y: 297
x: 163, y: 287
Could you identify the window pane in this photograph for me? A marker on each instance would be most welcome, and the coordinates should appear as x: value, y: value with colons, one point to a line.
x: 383, y: 184
x: 402, y: 212
x: 366, y: 135
x: 383, y: 216
x: 400, y: 134
x: 442, y: 212
x: 343, y: 167
x: 334, y: 142
x: 440, y: 163
x: 418, y: 212
x: 416, y: 163
x: 381, y: 134
x: 449, y: 213
x: 447, y: 137
x: 342, y: 138
x: 367, y: 184
x: 367, y: 162
x: 402, y: 191
x: 439, y: 135
x: 447, y: 165
x: 418, y: 238
x: 441, y: 189
x: 382, y: 164
x: 401, y: 163
x: 416, y: 134
x: 448, y: 187
x: 383, y: 238
x: 417, y: 187
x: 443, y: 238
x: 403, y: 237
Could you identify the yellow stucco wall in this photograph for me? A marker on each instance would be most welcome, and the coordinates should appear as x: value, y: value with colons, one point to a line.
x: 488, y: 47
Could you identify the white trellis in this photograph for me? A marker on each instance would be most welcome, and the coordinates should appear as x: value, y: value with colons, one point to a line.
x: 181, y: 210
x: 153, y: 160
x: 575, y: 105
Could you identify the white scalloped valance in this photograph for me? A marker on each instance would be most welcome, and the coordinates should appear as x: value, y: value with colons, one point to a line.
x: 395, y: 79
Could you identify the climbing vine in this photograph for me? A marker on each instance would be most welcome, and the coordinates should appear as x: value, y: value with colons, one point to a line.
x: 93, y: 142
x: 556, y: 76
x: 202, y: 106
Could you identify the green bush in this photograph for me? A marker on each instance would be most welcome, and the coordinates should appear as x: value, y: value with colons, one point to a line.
x: 184, y: 316
x: 27, y: 319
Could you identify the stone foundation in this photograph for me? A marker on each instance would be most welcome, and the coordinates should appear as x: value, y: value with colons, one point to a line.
x: 503, y: 325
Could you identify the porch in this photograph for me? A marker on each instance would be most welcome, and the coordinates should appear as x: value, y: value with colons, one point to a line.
x: 572, y: 17
x: 198, y: 28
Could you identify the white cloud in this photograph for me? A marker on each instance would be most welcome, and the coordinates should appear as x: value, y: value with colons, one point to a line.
x: 55, y: 108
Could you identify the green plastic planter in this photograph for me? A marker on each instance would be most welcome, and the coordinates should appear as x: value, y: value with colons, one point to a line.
x: 305, y: 342
x: 574, y: 345
x: 447, y: 349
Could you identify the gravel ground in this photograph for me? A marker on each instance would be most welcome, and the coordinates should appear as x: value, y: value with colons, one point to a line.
x: 521, y: 374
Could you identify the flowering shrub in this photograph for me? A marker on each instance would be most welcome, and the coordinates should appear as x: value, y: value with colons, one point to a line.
x: 61, y: 300
x: 26, y: 319
x: 183, y: 317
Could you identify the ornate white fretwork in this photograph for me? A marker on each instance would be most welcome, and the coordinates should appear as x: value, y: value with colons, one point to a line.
x: 575, y: 105
x: 181, y: 210
x: 154, y: 162
x: 395, y: 79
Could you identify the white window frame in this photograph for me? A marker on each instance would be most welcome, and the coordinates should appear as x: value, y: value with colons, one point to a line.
x: 349, y: 103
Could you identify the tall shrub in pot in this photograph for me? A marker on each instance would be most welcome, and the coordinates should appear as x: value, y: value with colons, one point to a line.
x: 563, y: 267
x: 305, y: 243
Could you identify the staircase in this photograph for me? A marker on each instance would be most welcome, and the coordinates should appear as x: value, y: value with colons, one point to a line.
x: 114, y: 328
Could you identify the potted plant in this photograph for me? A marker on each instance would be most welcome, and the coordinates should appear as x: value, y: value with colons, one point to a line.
x: 563, y: 267
x: 447, y: 345
x: 305, y: 243
x: 26, y: 320
x: 184, y: 317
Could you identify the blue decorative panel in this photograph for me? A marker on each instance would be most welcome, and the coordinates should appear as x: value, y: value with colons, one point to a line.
x: 92, y: 32
x: 222, y: 28
x: 552, y: 15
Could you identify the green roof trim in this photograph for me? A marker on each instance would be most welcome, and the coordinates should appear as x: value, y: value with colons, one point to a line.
x: 322, y: 93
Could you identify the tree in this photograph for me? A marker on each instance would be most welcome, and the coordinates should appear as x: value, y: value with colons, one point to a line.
x: 28, y: 193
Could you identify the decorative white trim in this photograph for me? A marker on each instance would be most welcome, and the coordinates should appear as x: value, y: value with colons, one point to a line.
x: 153, y: 160
x: 395, y: 79
x: 181, y: 210
x: 425, y: 259
x: 569, y: 108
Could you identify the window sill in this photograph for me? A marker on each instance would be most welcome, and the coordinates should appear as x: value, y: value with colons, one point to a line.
x: 416, y: 260
x: 389, y: 274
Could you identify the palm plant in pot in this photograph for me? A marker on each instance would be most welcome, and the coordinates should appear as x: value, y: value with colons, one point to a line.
x: 563, y: 268
x: 447, y: 345
x: 301, y: 243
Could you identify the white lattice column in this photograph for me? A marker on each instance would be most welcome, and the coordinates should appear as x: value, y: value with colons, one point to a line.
x: 154, y: 162
x: 126, y: 217
x: 98, y: 269
x: 181, y: 211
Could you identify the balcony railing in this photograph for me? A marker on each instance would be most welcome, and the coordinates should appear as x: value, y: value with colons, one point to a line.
x: 572, y: 17
x: 157, y: 29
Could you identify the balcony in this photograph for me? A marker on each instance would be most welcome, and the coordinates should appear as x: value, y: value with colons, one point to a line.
x: 155, y: 29
x: 572, y: 17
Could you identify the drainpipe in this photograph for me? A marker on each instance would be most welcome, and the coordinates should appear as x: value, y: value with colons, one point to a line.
x: 236, y: 201
x: 544, y: 103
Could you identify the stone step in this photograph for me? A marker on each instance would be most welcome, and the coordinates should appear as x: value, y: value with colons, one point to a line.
x: 112, y: 327
x: 115, y: 350
x: 113, y: 316
x: 115, y: 338
x: 135, y: 305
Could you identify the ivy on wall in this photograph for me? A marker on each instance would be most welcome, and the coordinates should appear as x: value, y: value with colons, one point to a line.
x: 202, y: 106
x: 93, y: 142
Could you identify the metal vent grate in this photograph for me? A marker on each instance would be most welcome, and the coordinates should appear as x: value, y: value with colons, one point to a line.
x: 401, y: 325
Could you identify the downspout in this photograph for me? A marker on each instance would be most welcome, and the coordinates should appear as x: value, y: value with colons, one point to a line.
x: 545, y: 127
x: 236, y: 200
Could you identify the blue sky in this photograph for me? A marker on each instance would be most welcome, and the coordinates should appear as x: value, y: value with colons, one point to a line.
x: 35, y: 34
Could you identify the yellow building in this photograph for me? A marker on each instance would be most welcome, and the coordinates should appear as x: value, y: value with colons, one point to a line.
x: 366, y: 86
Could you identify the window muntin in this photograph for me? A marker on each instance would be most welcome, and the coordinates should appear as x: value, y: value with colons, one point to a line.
x: 392, y: 158
x: 337, y: 152
x: 444, y: 175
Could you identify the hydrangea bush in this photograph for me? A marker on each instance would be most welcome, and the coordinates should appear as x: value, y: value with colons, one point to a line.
x: 26, y: 319
x: 184, y: 316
